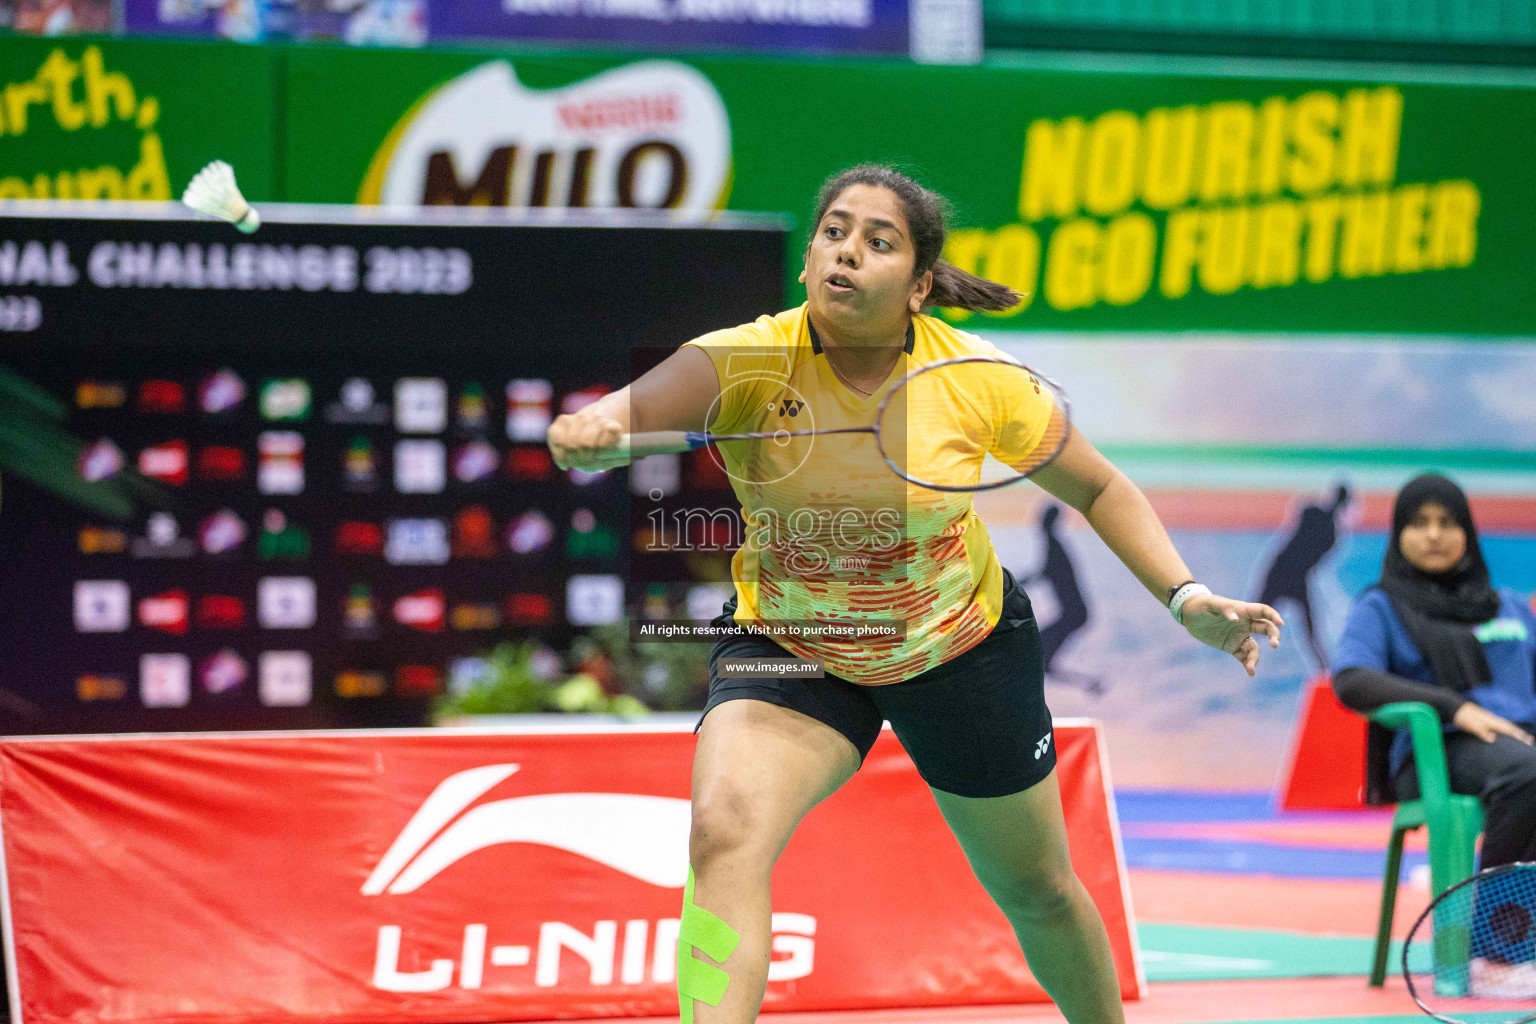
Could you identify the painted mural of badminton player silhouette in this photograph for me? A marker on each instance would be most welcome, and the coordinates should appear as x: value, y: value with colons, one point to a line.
x: 1058, y: 571
x: 1315, y: 533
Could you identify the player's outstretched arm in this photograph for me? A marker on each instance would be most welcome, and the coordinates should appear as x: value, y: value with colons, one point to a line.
x: 1117, y: 510
x: 677, y: 394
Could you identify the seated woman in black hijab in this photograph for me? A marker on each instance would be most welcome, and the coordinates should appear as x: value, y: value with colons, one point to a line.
x: 1434, y: 629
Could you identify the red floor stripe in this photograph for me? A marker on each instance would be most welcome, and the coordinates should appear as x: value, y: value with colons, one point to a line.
x: 1317, y: 906
x: 1202, y: 1002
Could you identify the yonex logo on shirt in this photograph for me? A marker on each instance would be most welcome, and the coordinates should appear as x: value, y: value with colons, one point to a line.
x: 1501, y: 629
x: 790, y: 407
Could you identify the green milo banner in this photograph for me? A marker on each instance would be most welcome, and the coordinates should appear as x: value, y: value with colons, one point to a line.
x: 1115, y: 201
x: 132, y: 119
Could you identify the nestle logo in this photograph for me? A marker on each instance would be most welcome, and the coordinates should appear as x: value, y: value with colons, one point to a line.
x: 620, y: 112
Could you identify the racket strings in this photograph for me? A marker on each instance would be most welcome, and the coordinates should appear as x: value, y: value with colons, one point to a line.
x: 973, y: 424
x: 1474, y: 950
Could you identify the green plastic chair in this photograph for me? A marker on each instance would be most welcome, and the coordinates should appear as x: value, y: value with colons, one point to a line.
x: 1454, y: 821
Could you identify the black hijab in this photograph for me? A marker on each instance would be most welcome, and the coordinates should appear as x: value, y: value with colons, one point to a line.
x: 1440, y: 609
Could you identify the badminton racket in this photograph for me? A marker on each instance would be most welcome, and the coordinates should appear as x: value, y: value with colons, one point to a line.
x: 920, y: 427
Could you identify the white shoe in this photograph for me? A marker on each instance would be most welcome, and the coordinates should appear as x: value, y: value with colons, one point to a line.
x: 1492, y: 979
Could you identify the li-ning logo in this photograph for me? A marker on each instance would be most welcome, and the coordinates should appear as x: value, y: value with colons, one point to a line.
x: 790, y: 407
x: 1042, y: 745
x: 645, y: 837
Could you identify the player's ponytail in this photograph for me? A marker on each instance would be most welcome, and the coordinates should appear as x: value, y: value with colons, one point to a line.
x: 953, y: 288
x: 926, y: 211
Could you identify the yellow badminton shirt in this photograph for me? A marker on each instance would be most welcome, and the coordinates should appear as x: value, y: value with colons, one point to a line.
x: 833, y: 535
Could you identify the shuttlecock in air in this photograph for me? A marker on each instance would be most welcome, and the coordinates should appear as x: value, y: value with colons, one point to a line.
x: 213, y: 191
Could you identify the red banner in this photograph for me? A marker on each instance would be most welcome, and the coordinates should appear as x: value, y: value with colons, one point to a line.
x: 426, y: 876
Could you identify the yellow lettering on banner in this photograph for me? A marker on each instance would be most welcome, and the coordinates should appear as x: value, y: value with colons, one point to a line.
x: 1314, y: 119
x: 1277, y: 256
x: 1049, y: 183
x: 1224, y: 249
x: 1363, y: 245
x: 963, y: 248
x: 149, y: 179
x: 1170, y: 163
x: 106, y: 90
x: 1069, y: 264
x: 1373, y: 120
x: 1454, y: 206
x: 1241, y: 161
x: 1270, y: 155
x: 60, y: 73
x: 104, y: 182
x: 1410, y: 203
x: 1130, y: 244
x: 79, y: 94
x: 1180, y: 250
x: 1228, y: 149
x: 1322, y: 216
x: 1112, y: 155
x: 1012, y: 258
x: 18, y: 97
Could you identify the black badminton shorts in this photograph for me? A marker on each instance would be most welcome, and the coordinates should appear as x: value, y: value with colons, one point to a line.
x: 975, y: 726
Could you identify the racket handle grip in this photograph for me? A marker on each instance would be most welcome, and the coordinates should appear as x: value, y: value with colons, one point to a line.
x: 652, y: 442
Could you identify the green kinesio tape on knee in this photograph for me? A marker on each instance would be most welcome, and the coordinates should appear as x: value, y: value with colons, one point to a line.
x: 698, y: 980
x: 701, y: 929
x: 705, y: 932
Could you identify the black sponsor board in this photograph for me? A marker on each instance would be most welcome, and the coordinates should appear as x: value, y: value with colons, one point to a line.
x: 326, y: 437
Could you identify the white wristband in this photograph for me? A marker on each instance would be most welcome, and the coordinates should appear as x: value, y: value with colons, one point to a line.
x: 1183, y: 594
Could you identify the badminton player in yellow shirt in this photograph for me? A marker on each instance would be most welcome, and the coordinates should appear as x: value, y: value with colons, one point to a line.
x: 963, y: 683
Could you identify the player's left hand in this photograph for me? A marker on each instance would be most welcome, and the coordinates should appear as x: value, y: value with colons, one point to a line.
x: 1229, y: 625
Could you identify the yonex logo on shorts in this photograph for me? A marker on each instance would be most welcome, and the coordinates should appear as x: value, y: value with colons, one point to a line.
x: 1042, y: 745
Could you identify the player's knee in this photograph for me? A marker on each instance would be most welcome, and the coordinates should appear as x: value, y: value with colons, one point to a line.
x: 723, y: 828
x: 1045, y: 895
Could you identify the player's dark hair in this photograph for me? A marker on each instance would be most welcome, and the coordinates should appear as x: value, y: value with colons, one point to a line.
x: 926, y: 211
